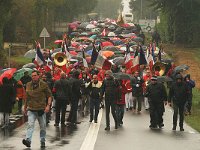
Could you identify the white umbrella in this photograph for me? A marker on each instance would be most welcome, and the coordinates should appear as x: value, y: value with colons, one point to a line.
x: 30, y: 54
x: 90, y: 26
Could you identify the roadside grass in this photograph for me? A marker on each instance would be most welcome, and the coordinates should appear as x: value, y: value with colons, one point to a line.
x: 194, y: 119
x: 20, y: 59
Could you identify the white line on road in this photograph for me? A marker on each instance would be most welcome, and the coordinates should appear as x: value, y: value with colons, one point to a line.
x: 91, y: 137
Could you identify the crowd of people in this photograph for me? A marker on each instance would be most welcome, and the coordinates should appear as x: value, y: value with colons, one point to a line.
x: 87, y: 89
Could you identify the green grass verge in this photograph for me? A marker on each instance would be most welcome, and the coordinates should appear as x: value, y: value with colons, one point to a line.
x: 20, y: 59
x: 194, y: 119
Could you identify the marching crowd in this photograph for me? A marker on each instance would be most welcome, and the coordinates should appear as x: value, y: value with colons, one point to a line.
x: 87, y: 89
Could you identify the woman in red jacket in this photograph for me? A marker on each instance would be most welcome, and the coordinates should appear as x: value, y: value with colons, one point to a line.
x: 20, y: 95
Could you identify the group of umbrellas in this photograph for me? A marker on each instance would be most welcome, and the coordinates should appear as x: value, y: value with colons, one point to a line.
x: 87, y: 34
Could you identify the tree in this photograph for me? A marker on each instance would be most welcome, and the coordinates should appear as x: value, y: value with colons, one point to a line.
x: 182, y: 17
x: 5, y: 7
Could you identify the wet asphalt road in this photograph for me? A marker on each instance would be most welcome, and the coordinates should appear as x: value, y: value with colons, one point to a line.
x: 134, y: 134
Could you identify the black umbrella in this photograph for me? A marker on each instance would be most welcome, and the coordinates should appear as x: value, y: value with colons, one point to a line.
x: 118, y: 60
x: 110, y: 48
x: 121, y: 75
x: 181, y: 68
x: 164, y: 79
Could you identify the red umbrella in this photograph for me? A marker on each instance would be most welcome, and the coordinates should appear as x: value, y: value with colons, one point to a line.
x: 58, y: 41
x: 8, y: 73
x: 73, y: 52
x: 106, y: 43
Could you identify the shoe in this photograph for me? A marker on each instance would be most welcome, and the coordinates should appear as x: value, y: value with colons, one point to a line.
x: 126, y: 109
x: 116, y: 126
x: 153, y: 126
x: 174, y: 128
x: 26, y: 142
x: 95, y: 121
x: 42, y: 145
x: 107, y: 128
x: 63, y: 125
x: 181, y: 129
x: 161, y: 125
x: 78, y: 122
x: 56, y: 125
x: 90, y: 120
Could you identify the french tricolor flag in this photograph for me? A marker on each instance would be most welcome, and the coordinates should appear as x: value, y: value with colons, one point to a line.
x: 39, y: 59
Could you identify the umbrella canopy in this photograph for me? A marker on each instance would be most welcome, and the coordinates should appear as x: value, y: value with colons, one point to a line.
x: 110, y: 48
x: 3, y: 70
x: 73, y: 52
x: 107, y: 54
x: 20, y: 73
x: 180, y: 68
x: 29, y: 65
x: 58, y: 41
x: 164, y: 79
x: 8, y: 73
x: 30, y: 54
x: 138, y: 39
x: 118, y: 60
x: 122, y: 76
x: 90, y: 26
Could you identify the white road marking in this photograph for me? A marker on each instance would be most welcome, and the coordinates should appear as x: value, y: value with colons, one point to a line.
x: 91, y: 137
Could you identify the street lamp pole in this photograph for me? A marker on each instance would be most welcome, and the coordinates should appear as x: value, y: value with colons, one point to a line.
x: 141, y: 4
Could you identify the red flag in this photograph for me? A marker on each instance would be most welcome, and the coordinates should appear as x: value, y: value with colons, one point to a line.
x: 136, y: 64
x: 103, y: 32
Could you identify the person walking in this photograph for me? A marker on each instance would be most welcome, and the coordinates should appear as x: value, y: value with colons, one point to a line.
x: 147, y: 79
x: 20, y: 95
x: 137, y: 91
x: 95, y: 91
x: 7, y: 96
x: 178, y: 95
x: 75, y: 96
x: 121, y: 90
x: 61, y: 91
x: 35, y: 107
x: 157, y: 97
x: 109, y: 87
x: 191, y: 84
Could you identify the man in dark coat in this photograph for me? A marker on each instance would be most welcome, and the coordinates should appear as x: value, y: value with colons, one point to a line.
x: 95, y: 89
x: 157, y: 97
x: 191, y: 84
x: 7, y: 95
x: 178, y: 94
x: 75, y: 96
x: 137, y: 91
x: 109, y: 87
x: 62, y: 98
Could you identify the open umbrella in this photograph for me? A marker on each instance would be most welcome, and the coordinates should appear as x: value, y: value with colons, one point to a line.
x: 58, y: 41
x: 29, y: 65
x: 30, y: 54
x: 107, y: 54
x: 138, y: 39
x: 20, y: 73
x: 8, y: 73
x: 164, y: 79
x: 181, y: 68
x: 118, y: 60
x: 122, y: 76
x: 90, y: 26
x: 110, y: 48
x: 3, y: 70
